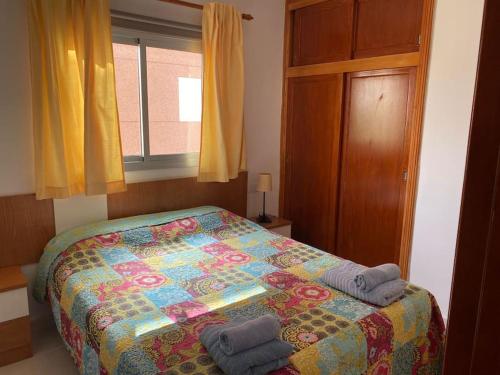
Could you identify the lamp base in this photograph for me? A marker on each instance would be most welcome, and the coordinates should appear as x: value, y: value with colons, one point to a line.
x: 264, y: 219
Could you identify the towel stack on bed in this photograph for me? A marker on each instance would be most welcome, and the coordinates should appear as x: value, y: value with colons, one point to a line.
x: 247, y: 347
x: 379, y: 285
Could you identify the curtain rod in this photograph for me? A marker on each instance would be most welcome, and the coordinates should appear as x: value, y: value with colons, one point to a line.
x: 247, y: 17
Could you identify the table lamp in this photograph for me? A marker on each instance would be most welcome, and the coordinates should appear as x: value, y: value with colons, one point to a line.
x: 264, y: 185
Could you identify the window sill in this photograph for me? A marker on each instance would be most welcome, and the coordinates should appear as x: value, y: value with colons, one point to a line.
x: 163, y: 162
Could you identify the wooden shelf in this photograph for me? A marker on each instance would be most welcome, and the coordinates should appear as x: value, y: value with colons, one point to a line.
x: 12, y: 278
x: 275, y: 223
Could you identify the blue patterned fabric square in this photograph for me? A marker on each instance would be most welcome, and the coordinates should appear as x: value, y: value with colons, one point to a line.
x: 135, y: 327
x: 199, y: 240
x: 323, y: 263
x: 189, y: 256
x: 260, y: 236
x: 346, y: 352
x: 138, y: 237
x: 258, y: 269
x: 348, y: 308
x: 210, y: 221
x: 84, y: 301
x: 135, y: 361
x: 90, y: 361
x: 418, y: 312
x: 253, y: 225
x: 167, y: 295
x: 182, y: 273
x: 117, y: 255
x: 261, y: 251
x: 56, y: 309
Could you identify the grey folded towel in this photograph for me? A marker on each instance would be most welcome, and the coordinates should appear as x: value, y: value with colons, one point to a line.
x: 370, y: 278
x: 248, y: 334
x: 342, y: 278
x: 258, y: 360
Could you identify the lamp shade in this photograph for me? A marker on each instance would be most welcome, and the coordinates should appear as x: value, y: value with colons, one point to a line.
x: 265, y: 183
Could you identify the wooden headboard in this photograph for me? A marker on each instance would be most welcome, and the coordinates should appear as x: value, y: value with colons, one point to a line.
x: 26, y: 225
x: 157, y: 196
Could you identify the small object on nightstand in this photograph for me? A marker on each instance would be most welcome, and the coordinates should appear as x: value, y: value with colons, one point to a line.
x: 264, y: 185
x: 15, y: 330
x: 277, y: 225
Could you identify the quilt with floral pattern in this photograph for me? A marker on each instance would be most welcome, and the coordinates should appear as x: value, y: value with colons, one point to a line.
x: 131, y: 296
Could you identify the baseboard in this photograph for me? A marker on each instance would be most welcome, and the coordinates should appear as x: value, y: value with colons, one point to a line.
x: 15, y: 355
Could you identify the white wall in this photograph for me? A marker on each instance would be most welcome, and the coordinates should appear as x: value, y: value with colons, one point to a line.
x: 263, y: 96
x: 16, y: 140
x: 452, y: 74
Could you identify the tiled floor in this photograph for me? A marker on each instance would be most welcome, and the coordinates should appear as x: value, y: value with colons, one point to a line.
x: 49, y: 355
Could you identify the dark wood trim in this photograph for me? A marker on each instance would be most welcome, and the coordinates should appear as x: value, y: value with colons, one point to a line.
x: 473, y: 334
x: 284, y: 110
x: 370, y: 63
x: 167, y: 195
x: 297, y: 4
x: 415, y: 138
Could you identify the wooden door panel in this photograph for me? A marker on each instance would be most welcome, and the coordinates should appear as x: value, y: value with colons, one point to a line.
x: 323, y: 32
x: 313, y: 144
x: 377, y: 113
x: 385, y: 27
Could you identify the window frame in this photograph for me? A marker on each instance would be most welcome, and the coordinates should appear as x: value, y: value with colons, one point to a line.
x: 142, y: 40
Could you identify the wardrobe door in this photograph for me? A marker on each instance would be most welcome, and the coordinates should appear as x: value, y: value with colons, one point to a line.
x: 375, y: 155
x: 312, y: 158
x: 385, y: 27
x: 323, y: 32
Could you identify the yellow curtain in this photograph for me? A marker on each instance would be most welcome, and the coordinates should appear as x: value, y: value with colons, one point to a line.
x: 75, y: 116
x: 222, y: 153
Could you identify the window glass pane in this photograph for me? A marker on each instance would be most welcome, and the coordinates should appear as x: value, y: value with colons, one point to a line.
x: 128, y: 96
x: 174, y: 101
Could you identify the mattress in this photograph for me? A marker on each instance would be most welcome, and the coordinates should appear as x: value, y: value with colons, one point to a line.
x: 131, y: 296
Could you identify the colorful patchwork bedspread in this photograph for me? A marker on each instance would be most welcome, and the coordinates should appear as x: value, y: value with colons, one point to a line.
x: 131, y: 296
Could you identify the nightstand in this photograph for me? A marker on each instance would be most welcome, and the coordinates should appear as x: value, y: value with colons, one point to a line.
x: 15, y: 330
x: 277, y: 225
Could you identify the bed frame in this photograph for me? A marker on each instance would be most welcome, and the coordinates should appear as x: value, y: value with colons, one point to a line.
x: 168, y: 195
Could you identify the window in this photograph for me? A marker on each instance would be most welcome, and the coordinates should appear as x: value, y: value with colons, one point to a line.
x: 158, y: 82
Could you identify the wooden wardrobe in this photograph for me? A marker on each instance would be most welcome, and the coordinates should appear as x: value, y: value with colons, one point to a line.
x: 355, y: 73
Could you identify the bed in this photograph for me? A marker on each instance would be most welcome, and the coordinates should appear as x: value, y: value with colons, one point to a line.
x: 131, y: 296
